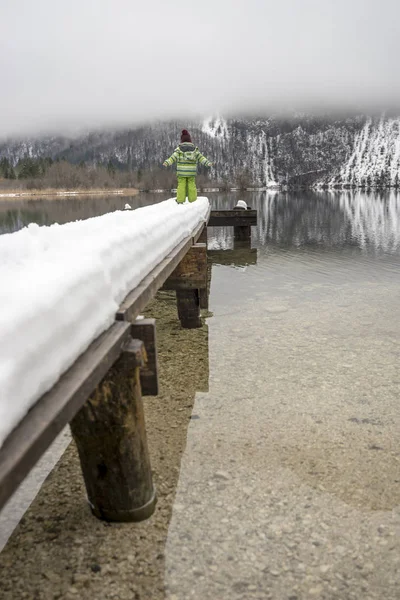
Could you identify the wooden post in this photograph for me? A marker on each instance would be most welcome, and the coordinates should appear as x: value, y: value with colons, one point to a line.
x: 110, y: 434
x: 145, y: 330
x: 191, y: 273
x: 242, y: 232
x: 203, y: 238
x: 203, y: 299
x: 189, y: 308
x: 189, y: 277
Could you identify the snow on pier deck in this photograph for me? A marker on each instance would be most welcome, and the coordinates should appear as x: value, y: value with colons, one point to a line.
x: 62, y: 286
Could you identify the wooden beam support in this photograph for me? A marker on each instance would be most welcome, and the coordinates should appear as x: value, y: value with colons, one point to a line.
x: 51, y: 413
x: 203, y: 237
x: 232, y: 218
x: 145, y: 330
x: 203, y: 299
x: 242, y: 232
x: 110, y: 434
x: 188, y: 303
x: 191, y: 273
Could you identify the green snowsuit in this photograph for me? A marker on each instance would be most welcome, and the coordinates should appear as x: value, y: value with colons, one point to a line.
x: 186, y: 156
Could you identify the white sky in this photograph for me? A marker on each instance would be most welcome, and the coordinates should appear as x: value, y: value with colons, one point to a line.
x: 66, y: 64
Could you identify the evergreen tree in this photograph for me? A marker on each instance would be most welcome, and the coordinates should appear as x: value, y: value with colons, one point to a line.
x: 4, y: 167
x: 110, y: 168
x: 29, y: 168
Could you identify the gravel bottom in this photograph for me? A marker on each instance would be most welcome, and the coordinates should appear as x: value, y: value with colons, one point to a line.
x: 290, y: 485
x: 59, y: 550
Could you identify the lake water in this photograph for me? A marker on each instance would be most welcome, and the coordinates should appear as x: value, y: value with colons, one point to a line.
x: 290, y: 481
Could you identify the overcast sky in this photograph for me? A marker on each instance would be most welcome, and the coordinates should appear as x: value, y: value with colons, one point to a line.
x: 67, y: 64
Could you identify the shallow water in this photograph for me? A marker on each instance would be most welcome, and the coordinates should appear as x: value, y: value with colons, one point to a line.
x: 290, y: 482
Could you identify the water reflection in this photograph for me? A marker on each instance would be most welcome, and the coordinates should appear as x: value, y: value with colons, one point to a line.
x: 325, y: 219
x: 15, y: 214
x: 369, y: 222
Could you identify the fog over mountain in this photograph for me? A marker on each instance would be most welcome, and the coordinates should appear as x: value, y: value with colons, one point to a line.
x: 68, y: 67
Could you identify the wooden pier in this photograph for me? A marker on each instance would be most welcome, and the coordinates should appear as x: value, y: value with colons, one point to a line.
x: 101, y: 394
x: 241, y: 221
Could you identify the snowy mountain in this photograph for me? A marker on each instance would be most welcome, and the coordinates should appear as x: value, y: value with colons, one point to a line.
x: 375, y: 158
x: 300, y: 150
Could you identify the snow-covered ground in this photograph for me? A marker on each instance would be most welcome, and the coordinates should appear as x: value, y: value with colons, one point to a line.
x: 61, y: 286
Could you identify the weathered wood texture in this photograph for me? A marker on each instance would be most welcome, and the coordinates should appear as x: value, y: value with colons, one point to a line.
x: 198, y: 233
x: 242, y: 232
x: 110, y: 434
x: 137, y: 299
x: 232, y: 218
x: 203, y: 299
x: 191, y: 273
x: 203, y: 237
x: 188, y: 304
x: 145, y: 330
x: 46, y: 419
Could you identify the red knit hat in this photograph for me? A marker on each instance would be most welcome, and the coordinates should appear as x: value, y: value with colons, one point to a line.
x: 185, y: 136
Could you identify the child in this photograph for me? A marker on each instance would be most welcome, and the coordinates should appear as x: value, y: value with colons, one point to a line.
x: 187, y: 156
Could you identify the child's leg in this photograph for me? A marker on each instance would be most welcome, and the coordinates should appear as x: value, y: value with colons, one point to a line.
x: 192, y: 189
x: 181, y: 191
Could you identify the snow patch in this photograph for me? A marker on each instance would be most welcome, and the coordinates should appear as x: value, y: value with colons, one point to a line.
x: 62, y: 285
x: 215, y: 127
x: 375, y: 157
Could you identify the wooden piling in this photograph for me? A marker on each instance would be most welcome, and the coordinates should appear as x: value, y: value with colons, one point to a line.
x: 204, y: 292
x: 110, y: 434
x: 191, y: 273
x: 203, y: 238
x: 188, y: 303
x: 242, y: 232
x: 145, y: 330
x: 189, y: 277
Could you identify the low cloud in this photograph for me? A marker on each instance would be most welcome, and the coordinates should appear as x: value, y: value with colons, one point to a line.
x: 87, y: 64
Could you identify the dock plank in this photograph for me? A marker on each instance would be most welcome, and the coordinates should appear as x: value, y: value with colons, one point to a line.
x: 232, y: 218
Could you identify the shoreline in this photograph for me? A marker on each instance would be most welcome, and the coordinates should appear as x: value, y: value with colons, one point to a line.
x: 51, y: 194
x: 54, y: 193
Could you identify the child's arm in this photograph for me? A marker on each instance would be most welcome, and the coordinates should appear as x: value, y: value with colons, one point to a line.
x: 203, y: 160
x: 173, y: 158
